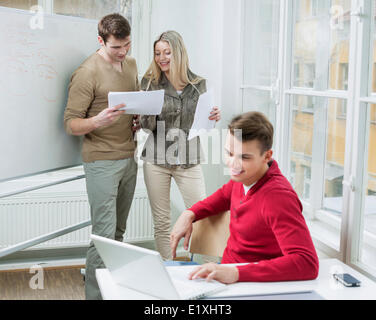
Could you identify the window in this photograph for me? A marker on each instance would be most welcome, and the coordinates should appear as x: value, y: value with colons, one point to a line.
x: 319, y: 61
x: 306, y: 95
x: 92, y: 9
x: 325, y: 117
x: 301, y: 149
x: 367, y: 254
x: 260, y: 56
x: 260, y: 44
x: 321, y: 45
x: 307, y: 182
x: 314, y: 8
x: 96, y: 9
x: 317, y: 148
x: 342, y: 109
x: 344, y: 76
x: 309, y: 75
x: 259, y: 100
x: 19, y: 4
x: 292, y: 172
x: 343, y: 84
x: 304, y: 74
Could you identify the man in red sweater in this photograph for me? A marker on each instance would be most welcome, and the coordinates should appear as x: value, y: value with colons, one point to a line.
x: 268, y: 233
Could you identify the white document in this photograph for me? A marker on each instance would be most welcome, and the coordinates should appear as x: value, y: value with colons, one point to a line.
x: 201, y: 122
x: 138, y: 102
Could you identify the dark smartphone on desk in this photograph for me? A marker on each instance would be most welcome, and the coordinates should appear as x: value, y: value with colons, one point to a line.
x: 347, y: 279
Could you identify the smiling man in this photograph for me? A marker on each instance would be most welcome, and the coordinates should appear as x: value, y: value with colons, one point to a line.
x: 268, y: 233
x: 108, y: 146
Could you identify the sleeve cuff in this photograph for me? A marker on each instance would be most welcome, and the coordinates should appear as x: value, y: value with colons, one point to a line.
x: 68, y: 128
x: 244, y: 272
x: 196, y: 212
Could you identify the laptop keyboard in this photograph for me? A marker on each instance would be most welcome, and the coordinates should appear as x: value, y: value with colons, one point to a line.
x: 194, y: 289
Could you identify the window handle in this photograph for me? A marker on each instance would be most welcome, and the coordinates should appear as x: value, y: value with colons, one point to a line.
x: 274, y: 92
x: 349, y: 183
x: 359, y: 13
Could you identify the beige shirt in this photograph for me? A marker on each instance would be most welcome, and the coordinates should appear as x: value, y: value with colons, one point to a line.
x: 88, y: 96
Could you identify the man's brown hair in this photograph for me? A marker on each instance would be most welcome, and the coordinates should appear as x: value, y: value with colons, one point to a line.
x: 114, y: 24
x: 253, y: 126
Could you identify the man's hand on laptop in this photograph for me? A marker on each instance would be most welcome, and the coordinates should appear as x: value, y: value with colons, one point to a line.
x: 219, y: 272
x: 182, y: 228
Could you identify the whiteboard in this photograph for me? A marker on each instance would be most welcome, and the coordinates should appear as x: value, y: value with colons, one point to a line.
x: 35, y: 70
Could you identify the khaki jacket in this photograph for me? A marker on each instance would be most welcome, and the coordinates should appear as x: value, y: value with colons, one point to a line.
x: 167, y: 144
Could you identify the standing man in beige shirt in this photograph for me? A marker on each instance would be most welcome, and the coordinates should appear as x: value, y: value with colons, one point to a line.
x: 108, y: 146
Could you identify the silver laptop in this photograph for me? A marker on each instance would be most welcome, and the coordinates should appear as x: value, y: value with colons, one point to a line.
x: 143, y: 270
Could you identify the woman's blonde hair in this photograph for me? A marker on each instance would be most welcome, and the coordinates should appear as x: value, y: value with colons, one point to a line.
x: 179, y: 65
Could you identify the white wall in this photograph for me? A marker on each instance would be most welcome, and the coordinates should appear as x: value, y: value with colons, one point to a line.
x: 231, y: 60
x: 232, y: 68
x: 200, y: 24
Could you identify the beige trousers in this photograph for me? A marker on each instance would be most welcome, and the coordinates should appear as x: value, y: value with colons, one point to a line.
x: 158, y: 183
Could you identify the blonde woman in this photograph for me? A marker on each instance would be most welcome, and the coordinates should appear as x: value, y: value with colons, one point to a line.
x: 167, y: 152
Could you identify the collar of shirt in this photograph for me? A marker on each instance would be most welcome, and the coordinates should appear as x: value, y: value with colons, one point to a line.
x: 247, y: 188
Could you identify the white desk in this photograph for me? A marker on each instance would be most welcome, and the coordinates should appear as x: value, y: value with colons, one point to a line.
x: 324, y: 285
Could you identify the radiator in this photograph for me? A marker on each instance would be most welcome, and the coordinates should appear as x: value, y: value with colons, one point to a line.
x: 24, y: 219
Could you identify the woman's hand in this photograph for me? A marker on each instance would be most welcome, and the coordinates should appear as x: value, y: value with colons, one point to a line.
x: 136, y: 123
x: 215, y: 114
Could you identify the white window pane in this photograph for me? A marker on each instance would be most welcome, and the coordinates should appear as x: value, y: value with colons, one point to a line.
x: 368, y: 249
x: 318, y: 132
x: 339, y: 44
x: 261, y: 34
x: 259, y: 100
x: 321, y: 44
x: 335, y: 156
x: 301, y: 145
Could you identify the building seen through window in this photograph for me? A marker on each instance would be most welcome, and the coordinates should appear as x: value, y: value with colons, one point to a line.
x: 89, y: 9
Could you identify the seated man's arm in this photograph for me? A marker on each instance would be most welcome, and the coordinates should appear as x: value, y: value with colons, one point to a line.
x: 218, y: 202
x: 182, y: 228
x: 299, y: 261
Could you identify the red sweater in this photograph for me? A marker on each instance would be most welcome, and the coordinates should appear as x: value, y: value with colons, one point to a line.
x: 267, y: 227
